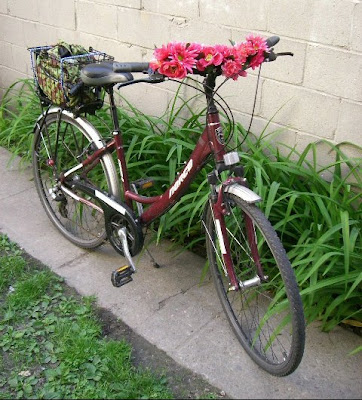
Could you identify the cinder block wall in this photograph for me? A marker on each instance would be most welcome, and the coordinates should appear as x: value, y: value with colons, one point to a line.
x: 315, y: 95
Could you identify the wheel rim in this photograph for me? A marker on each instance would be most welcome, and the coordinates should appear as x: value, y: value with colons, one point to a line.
x: 81, y: 223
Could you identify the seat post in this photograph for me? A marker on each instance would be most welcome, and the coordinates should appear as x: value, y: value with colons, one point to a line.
x: 112, y: 103
x: 119, y: 144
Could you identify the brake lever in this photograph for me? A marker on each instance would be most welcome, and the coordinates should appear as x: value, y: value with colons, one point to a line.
x: 150, y: 79
x: 286, y: 53
x: 273, y: 56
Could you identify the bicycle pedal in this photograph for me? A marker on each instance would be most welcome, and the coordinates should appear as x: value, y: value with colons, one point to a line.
x: 143, y: 183
x: 121, y: 276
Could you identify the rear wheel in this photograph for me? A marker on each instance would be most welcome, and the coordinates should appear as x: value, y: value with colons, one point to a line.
x: 267, y: 316
x: 60, y: 143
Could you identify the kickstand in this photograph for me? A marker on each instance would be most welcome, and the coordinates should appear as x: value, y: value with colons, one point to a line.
x: 154, y: 263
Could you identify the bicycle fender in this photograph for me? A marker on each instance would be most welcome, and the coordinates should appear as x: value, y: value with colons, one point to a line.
x: 86, y: 125
x: 238, y: 190
x: 243, y: 192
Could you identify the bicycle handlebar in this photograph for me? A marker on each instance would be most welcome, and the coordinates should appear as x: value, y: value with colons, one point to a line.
x: 114, y: 67
x: 130, y: 67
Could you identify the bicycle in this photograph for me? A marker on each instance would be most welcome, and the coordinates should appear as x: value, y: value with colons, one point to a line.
x: 250, y: 268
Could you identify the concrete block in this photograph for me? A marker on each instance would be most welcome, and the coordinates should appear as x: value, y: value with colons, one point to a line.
x: 104, y: 17
x: 247, y: 14
x: 68, y: 35
x: 350, y: 123
x: 240, y: 94
x: 57, y: 14
x: 180, y: 8
x: 149, y: 99
x: 36, y: 34
x: 6, y: 56
x: 8, y: 76
x: 334, y: 71
x: 28, y: 10
x: 20, y: 59
x: 123, y: 3
x: 11, y: 30
x: 356, y: 37
x: 275, y: 134
x: 287, y: 69
x: 300, y: 108
x: 325, y: 21
x: 201, y: 32
x: 160, y: 27
x: 120, y: 51
x: 4, y: 7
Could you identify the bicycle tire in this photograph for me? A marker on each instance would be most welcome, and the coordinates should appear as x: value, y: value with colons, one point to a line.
x: 273, y: 338
x: 81, y: 224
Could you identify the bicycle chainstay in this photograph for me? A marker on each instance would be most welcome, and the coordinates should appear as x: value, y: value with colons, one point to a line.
x: 117, y: 215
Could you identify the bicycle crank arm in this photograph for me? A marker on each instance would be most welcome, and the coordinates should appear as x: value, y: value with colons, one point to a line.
x: 123, y: 236
x: 123, y: 275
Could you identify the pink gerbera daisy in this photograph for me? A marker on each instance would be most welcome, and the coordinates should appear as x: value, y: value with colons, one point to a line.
x: 185, y: 54
x: 210, y: 56
x: 256, y: 44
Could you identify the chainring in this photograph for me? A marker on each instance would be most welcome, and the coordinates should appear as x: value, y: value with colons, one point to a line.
x: 114, y: 222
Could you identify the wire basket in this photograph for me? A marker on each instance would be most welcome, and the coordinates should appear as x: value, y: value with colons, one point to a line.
x: 56, y: 71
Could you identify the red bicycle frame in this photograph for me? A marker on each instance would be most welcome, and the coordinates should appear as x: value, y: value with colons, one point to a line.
x: 206, y: 144
x: 210, y: 142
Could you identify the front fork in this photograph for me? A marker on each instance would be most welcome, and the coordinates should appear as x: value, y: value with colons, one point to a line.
x: 221, y: 208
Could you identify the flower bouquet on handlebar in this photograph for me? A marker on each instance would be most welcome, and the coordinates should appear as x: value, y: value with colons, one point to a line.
x: 177, y: 59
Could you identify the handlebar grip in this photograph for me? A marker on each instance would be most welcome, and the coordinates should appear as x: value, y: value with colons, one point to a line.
x: 130, y: 67
x: 272, y: 41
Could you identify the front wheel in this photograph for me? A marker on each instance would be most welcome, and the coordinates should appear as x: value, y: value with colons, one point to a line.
x: 266, y: 315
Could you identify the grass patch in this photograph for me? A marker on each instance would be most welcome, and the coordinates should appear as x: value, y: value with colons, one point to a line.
x: 51, y: 344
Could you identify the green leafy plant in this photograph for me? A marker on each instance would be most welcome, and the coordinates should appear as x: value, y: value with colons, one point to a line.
x: 51, y: 344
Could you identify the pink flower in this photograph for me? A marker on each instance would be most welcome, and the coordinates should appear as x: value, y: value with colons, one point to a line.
x: 256, y: 44
x: 209, y: 56
x: 185, y: 54
x: 231, y: 69
x: 162, y: 53
x: 155, y: 64
x: 241, y: 52
x: 173, y: 69
x: 257, y: 59
x: 222, y: 49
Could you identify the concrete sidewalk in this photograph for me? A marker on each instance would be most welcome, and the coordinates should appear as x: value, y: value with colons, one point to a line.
x: 169, y: 308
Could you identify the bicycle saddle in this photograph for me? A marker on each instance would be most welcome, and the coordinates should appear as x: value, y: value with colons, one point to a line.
x: 102, y: 74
